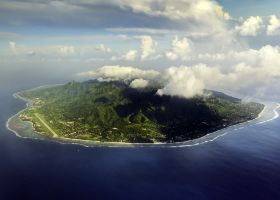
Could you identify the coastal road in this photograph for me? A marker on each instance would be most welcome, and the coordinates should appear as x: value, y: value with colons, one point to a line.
x: 46, y: 125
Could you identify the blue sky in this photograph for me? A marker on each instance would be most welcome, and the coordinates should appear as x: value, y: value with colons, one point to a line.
x: 247, y: 8
x: 234, y: 39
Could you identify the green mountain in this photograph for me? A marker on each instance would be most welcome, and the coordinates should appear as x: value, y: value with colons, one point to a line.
x: 114, y: 112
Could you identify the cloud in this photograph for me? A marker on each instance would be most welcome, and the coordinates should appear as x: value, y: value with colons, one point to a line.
x: 103, y: 48
x: 204, y: 32
x: 251, y: 26
x: 182, y: 81
x: 45, y: 51
x: 152, y: 31
x: 180, y: 49
x: 254, y: 70
x: 253, y: 57
x: 204, y: 20
x: 8, y: 35
x: 131, y: 55
x: 221, y: 13
x: 117, y: 72
x: 158, y: 31
x: 65, y: 50
x: 90, y: 60
x: 273, y: 27
x: 139, y: 83
x: 148, y: 46
x: 177, y: 9
x: 249, y: 73
x: 13, y: 46
x: 114, y: 13
x: 31, y: 53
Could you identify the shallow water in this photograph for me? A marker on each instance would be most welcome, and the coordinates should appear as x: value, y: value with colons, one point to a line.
x: 243, y: 164
x: 24, y: 129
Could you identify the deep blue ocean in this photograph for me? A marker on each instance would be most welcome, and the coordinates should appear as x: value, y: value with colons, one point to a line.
x: 244, y: 164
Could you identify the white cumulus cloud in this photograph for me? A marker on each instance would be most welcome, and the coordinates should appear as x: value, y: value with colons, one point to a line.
x: 180, y: 49
x: 195, y: 10
x: 254, y: 70
x: 273, y: 27
x: 182, y: 81
x: 250, y: 26
x: 139, y: 83
x: 148, y: 46
x: 117, y: 72
x: 103, y: 48
x: 249, y: 73
x: 131, y: 55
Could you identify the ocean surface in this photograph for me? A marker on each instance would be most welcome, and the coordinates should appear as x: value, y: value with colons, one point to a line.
x: 243, y: 164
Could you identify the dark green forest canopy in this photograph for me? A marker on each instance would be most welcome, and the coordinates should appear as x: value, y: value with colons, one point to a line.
x: 114, y: 112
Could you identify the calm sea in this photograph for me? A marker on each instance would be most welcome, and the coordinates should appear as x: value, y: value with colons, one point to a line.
x: 244, y: 164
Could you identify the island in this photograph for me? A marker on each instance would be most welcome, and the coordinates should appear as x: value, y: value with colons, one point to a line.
x: 112, y: 111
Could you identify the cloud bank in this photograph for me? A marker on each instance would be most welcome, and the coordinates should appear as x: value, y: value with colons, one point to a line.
x: 73, y: 13
x: 254, y: 70
x: 117, y: 72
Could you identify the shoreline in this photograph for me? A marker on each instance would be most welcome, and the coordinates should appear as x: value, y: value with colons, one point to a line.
x: 92, y: 143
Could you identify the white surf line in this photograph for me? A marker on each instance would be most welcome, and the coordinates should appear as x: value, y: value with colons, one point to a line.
x: 181, y: 145
x: 7, y: 125
x: 159, y: 145
x: 15, y: 132
x: 17, y: 96
x: 276, y: 115
x: 58, y: 140
x: 261, y: 113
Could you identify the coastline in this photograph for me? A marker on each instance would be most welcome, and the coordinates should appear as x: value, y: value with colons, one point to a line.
x: 91, y: 143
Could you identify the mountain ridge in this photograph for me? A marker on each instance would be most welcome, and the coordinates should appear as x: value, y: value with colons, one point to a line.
x: 114, y: 112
